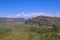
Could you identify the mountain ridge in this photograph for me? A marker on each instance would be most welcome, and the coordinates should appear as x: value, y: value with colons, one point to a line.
x: 43, y: 21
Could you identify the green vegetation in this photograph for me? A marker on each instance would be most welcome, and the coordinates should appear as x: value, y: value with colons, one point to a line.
x: 16, y: 30
x: 22, y: 31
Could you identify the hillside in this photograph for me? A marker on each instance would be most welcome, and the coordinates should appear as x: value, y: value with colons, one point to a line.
x: 44, y: 21
x: 18, y: 30
x: 22, y: 31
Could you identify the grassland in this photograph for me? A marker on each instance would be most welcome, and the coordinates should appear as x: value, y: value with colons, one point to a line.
x: 22, y: 31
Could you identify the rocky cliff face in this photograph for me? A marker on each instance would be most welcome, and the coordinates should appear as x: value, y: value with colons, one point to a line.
x: 43, y: 21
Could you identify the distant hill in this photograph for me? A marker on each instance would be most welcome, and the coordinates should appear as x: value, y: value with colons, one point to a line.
x: 2, y: 19
x: 43, y: 21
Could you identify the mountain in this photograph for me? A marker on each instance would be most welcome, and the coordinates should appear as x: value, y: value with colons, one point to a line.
x: 39, y: 20
x: 43, y: 21
x: 2, y: 19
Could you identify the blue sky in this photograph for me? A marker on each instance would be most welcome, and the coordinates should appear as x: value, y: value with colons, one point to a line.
x: 15, y: 7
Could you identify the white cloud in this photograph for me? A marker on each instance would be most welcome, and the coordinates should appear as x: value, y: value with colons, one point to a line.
x: 57, y: 14
x: 30, y: 15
